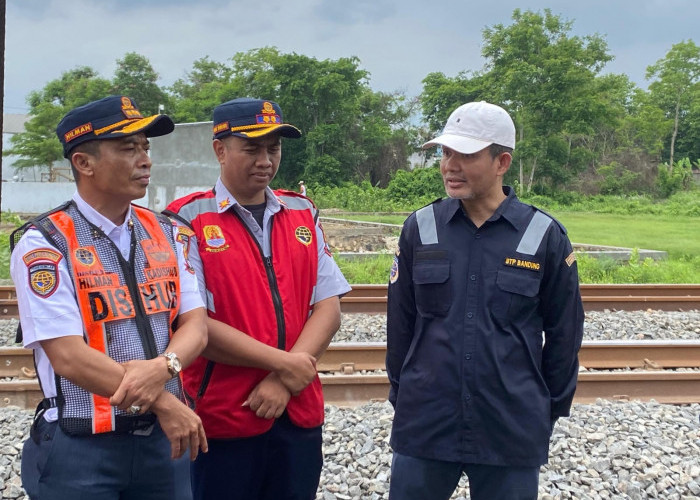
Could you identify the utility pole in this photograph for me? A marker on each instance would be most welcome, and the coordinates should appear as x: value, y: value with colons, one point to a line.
x: 3, y: 5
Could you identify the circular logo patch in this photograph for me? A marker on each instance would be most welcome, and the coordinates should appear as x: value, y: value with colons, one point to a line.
x: 303, y: 234
x: 85, y: 256
x: 43, y: 278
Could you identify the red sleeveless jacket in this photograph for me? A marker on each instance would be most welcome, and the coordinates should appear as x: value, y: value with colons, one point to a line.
x: 268, y: 298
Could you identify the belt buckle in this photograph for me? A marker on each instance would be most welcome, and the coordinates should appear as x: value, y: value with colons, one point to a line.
x: 146, y: 431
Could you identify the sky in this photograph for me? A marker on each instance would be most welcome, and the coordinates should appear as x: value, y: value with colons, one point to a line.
x: 397, y: 41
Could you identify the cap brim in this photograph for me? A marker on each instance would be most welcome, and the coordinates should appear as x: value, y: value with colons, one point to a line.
x: 285, y: 130
x: 459, y: 143
x: 152, y: 126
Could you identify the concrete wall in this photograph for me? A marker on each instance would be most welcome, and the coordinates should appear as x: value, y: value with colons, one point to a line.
x: 183, y: 162
x: 35, y: 197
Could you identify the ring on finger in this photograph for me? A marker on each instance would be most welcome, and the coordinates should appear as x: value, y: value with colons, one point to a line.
x: 135, y: 409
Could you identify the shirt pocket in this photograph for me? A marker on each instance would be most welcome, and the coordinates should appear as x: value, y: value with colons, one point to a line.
x: 431, y: 280
x: 517, y: 294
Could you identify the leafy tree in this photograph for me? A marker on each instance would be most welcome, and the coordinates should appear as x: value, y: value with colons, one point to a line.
x: 677, y: 84
x: 546, y: 79
x: 195, y: 97
x: 136, y: 78
x: 39, y: 146
x: 349, y: 132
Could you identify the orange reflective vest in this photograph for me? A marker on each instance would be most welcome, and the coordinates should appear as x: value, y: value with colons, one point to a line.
x: 127, y: 307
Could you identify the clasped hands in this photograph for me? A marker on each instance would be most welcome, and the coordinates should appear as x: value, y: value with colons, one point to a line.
x: 270, y: 397
x: 143, y: 386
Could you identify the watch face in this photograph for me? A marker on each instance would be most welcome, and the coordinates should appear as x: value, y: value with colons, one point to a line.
x: 177, y: 366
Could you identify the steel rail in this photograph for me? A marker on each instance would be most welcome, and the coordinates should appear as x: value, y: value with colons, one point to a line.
x: 372, y: 299
x: 587, y: 290
x: 353, y: 357
x: 343, y: 385
x: 661, y: 386
x: 352, y: 390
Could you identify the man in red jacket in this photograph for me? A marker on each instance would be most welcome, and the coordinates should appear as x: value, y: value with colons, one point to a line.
x: 272, y: 293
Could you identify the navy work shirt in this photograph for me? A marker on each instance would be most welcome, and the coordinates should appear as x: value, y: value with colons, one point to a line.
x: 473, y: 379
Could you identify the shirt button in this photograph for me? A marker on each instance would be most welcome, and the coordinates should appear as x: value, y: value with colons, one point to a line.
x: 472, y: 277
x: 467, y: 356
x: 470, y: 315
x: 467, y: 397
x: 477, y: 235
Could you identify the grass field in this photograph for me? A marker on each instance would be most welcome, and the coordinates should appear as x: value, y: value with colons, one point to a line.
x: 679, y: 236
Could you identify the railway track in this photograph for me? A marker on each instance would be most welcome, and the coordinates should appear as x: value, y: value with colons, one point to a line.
x: 371, y: 299
x: 664, y: 297
x: 344, y: 383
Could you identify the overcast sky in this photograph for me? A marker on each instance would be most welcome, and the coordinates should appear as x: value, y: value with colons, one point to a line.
x: 398, y: 41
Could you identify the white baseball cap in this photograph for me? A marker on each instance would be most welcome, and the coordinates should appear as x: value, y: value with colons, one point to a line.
x: 474, y: 126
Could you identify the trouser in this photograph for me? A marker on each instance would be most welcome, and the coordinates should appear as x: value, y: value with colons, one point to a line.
x: 126, y: 466
x: 282, y: 464
x: 423, y: 479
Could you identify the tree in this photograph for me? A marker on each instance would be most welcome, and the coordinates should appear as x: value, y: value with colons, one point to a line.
x: 546, y: 79
x: 39, y: 146
x: 195, y: 96
x: 349, y: 132
x: 678, y: 81
x: 136, y: 78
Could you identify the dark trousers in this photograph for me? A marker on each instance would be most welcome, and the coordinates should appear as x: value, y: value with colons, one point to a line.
x: 422, y: 479
x: 282, y: 464
x: 57, y: 466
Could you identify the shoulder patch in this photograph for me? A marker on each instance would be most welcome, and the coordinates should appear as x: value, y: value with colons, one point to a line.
x: 570, y: 259
x: 394, y: 273
x: 42, y: 265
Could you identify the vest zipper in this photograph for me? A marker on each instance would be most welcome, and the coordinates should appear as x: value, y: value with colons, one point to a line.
x: 272, y: 281
x: 276, y: 301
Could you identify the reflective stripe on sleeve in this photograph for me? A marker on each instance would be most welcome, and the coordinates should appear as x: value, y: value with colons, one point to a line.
x: 426, y: 225
x: 534, y: 233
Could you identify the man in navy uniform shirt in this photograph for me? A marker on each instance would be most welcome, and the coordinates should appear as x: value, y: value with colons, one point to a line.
x: 484, y: 324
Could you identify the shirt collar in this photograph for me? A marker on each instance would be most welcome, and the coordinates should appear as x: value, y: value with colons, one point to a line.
x: 96, y: 218
x: 507, y: 209
x: 225, y: 200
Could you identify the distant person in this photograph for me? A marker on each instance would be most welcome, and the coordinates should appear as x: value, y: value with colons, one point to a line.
x: 112, y: 310
x: 302, y: 188
x: 272, y: 292
x: 484, y: 325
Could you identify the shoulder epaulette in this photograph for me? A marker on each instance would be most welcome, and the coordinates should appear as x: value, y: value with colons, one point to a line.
x: 17, y: 234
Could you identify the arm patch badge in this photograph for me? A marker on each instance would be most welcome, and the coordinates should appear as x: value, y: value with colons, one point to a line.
x: 184, y: 237
x: 570, y: 259
x: 394, y: 273
x: 42, y: 265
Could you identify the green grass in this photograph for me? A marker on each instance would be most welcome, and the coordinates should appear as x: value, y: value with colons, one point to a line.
x: 382, y: 218
x: 370, y: 270
x: 679, y: 236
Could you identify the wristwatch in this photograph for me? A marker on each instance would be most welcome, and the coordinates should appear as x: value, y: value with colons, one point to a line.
x: 174, y: 365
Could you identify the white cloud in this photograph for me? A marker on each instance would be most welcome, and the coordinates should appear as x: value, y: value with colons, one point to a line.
x: 398, y: 42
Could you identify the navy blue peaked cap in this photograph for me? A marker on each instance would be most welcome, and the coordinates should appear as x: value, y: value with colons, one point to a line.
x: 250, y: 118
x: 108, y: 118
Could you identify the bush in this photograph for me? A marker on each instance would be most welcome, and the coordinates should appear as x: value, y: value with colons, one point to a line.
x: 672, y: 179
x: 420, y: 183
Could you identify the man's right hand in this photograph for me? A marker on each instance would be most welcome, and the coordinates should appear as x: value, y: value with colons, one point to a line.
x: 297, y: 370
x: 181, y: 425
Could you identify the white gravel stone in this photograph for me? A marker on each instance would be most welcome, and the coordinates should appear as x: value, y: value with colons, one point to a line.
x: 598, y: 325
x: 617, y: 450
